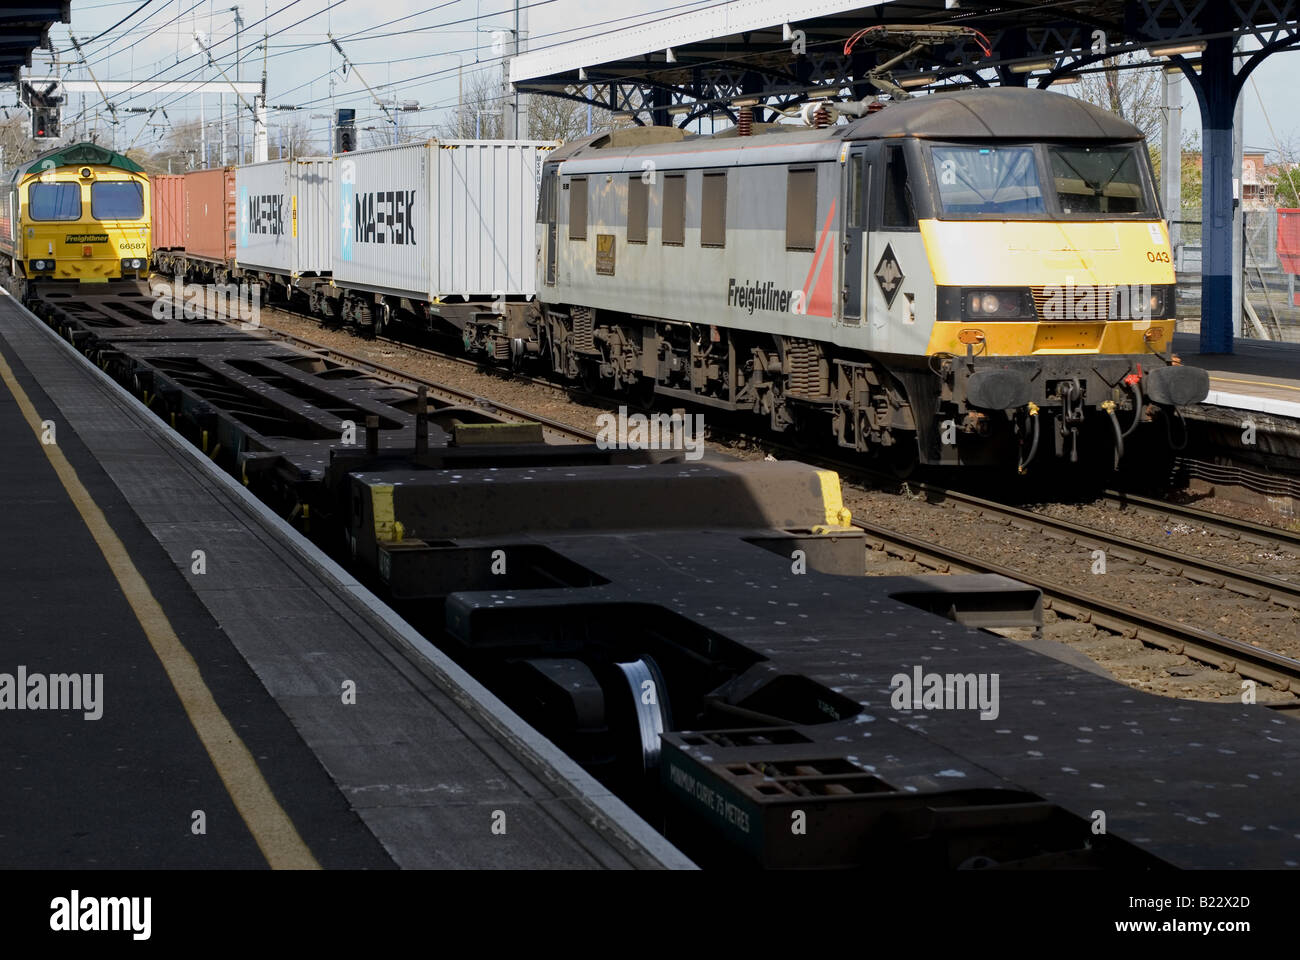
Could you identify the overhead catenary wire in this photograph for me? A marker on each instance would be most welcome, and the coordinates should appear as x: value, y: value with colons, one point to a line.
x: 158, y: 75
x: 116, y: 25
x: 420, y: 80
x: 366, y: 34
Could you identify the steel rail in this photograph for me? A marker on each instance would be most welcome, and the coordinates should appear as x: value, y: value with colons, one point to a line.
x: 1252, y: 662
x: 1225, y: 526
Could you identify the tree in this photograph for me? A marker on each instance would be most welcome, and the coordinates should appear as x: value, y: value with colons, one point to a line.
x: 177, y: 150
x: 1285, y: 176
x: 15, y: 139
x: 1132, y: 95
x: 558, y: 118
x: 479, y: 116
x: 1286, y: 183
x: 292, y: 140
x: 1191, y: 189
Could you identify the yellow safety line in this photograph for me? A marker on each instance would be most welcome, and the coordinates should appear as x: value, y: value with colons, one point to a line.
x: 266, y: 820
x: 1257, y: 383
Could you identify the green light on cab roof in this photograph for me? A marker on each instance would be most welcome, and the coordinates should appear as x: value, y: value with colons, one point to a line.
x: 985, y: 150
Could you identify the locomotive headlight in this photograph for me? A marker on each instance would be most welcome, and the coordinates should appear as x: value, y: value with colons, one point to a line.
x: 1008, y: 304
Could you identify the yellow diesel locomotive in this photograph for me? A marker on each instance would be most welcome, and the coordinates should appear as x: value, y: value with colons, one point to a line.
x: 80, y: 212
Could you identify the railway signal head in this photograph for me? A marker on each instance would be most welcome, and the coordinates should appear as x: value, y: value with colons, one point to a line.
x: 345, y: 131
x: 45, y: 123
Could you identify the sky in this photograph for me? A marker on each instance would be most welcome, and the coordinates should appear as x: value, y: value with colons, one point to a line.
x: 411, y: 50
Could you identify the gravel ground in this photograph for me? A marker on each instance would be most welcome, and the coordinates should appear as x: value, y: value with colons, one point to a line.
x: 1128, y: 660
x: 1205, y: 497
x: 543, y: 401
x: 1182, y: 536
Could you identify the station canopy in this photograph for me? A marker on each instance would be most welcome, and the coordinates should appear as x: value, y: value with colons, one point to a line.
x: 684, y: 66
x: 23, y: 28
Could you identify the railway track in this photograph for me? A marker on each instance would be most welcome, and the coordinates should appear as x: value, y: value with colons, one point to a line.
x: 1254, y: 663
x: 1266, y: 484
x: 553, y: 430
x: 1221, y: 576
x: 1231, y: 527
x: 1246, y: 659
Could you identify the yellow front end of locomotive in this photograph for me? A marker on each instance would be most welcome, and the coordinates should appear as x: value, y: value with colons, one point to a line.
x: 88, y: 223
x: 1089, y: 281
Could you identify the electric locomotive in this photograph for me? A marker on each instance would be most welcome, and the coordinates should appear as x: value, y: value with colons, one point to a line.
x: 975, y: 277
x: 79, y: 212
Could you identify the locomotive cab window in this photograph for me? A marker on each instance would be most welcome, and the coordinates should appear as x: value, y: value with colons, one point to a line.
x: 1098, y: 180
x: 674, y: 228
x: 117, y: 201
x: 638, y: 208
x: 899, y: 210
x: 801, y: 209
x: 578, y: 208
x: 1042, y: 181
x: 988, y: 181
x: 54, y: 201
x: 713, y: 210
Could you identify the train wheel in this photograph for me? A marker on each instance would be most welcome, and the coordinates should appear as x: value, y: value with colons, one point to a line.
x: 901, y: 459
x: 641, y: 394
x: 649, y: 698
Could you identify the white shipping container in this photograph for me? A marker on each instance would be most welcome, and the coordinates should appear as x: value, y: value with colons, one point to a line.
x: 283, y: 218
x: 312, y: 214
x: 263, y: 237
x: 438, y: 218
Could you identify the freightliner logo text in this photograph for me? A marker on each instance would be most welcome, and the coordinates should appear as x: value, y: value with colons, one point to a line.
x: 763, y: 295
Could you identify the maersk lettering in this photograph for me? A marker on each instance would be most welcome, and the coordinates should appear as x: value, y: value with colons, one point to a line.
x: 762, y: 295
x: 265, y: 214
x: 385, y: 216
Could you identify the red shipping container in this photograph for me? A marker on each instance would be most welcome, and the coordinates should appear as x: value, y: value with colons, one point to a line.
x: 1288, y: 239
x: 210, y: 214
x: 167, y: 197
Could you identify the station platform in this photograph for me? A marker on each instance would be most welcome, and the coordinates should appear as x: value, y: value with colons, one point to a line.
x: 1258, y: 376
x: 242, y: 702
